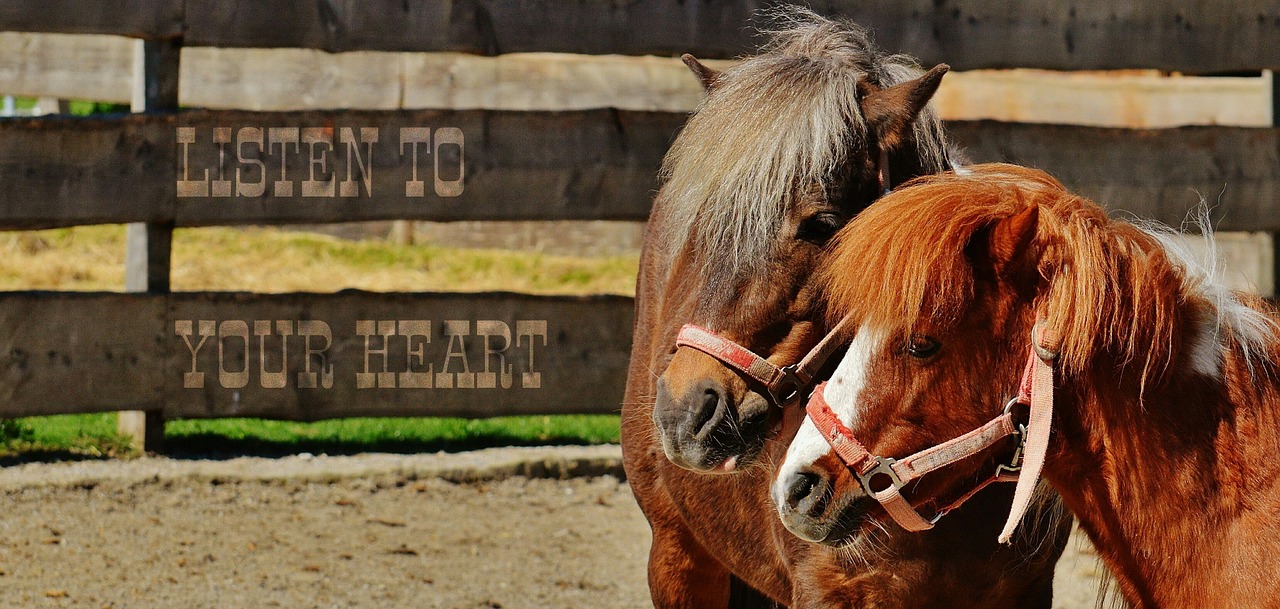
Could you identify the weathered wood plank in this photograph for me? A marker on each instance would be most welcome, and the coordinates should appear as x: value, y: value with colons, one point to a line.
x: 90, y: 352
x: 151, y: 19
x: 98, y: 67
x: 968, y: 34
x: 518, y: 166
x: 66, y: 66
x: 1159, y: 174
x: 550, y: 81
x: 598, y: 164
x: 1135, y: 100
x: 540, y: 166
x: 65, y: 171
x: 291, y: 79
x: 67, y: 353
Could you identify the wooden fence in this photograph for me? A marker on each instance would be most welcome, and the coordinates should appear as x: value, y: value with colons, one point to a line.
x: 404, y: 354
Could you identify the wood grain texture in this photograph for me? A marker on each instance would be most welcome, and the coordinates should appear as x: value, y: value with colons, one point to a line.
x: 98, y: 352
x: 598, y: 164
x: 1215, y: 36
x: 150, y: 19
x: 98, y: 67
x: 1159, y: 174
x: 583, y: 165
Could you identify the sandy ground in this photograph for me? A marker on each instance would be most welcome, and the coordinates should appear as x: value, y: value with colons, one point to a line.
x: 371, y: 531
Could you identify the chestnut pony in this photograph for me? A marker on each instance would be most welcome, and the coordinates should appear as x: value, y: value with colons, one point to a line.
x: 1160, y: 397
x: 784, y: 150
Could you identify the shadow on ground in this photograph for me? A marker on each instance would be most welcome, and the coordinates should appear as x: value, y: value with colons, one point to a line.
x: 51, y: 456
x: 214, y: 446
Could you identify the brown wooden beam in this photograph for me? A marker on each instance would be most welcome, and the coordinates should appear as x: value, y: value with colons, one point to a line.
x: 346, y: 354
x: 1217, y: 36
x: 581, y: 165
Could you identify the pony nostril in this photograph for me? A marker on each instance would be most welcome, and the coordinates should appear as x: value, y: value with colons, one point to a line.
x: 706, y: 415
x: 804, y: 485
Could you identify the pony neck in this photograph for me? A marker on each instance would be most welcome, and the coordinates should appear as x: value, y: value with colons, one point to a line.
x: 1179, y: 490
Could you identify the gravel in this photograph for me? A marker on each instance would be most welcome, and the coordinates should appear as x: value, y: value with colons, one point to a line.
x: 512, y: 528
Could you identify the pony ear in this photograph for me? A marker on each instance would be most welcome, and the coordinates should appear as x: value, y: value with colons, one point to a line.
x: 890, y: 111
x: 707, y: 76
x: 1010, y: 238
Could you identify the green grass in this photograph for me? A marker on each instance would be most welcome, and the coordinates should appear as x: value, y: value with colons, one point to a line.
x: 77, y: 107
x: 344, y: 436
x: 94, y: 435
x: 63, y: 436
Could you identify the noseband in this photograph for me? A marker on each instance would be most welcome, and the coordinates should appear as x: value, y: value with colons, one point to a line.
x: 784, y: 384
x: 1035, y: 391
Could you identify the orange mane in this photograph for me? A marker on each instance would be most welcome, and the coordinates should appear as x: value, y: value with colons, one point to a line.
x: 1106, y: 285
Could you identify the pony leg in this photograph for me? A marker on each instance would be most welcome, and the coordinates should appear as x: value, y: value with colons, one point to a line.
x: 682, y: 575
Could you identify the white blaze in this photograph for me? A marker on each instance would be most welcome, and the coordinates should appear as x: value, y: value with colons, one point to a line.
x: 841, y: 393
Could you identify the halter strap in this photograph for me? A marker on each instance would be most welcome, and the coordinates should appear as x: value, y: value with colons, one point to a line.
x: 1037, y: 386
x: 885, y: 185
x: 1035, y: 390
x: 785, y: 384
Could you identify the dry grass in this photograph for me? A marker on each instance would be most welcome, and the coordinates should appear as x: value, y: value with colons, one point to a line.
x: 273, y: 260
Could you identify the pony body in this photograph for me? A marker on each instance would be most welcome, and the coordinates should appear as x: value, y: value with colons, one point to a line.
x: 781, y: 154
x: 1167, y: 410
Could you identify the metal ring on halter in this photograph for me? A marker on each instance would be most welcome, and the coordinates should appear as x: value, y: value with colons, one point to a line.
x: 884, y: 465
x: 1020, y: 431
x: 1008, y: 406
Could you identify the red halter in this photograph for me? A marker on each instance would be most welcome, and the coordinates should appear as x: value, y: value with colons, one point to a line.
x: 1035, y: 390
x: 784, y: 384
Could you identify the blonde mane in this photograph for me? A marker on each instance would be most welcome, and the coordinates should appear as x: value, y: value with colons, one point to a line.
x: 1107, y: 285
x: 775, y: 124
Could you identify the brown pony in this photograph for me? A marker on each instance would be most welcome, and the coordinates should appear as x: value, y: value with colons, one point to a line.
x: 784, y: 151
x: 1165, y: 404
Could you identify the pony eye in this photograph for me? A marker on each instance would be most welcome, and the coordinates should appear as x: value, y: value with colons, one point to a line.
x: 819, y: 227
x: 921, y: 346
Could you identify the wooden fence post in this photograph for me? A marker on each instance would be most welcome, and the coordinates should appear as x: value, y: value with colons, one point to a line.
x: 1274, y: 75
x: 155, y: 89
x: 401, y: 232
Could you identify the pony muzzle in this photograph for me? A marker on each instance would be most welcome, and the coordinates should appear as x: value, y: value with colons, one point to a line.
x: 705, y: 427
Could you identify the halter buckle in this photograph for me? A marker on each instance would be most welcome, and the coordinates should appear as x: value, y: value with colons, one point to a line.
x: 1014, y: 465
x: 787, y: 386
x: 884, y: 465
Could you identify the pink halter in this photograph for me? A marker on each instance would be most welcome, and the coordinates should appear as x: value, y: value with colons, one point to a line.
x: 1035, y: 390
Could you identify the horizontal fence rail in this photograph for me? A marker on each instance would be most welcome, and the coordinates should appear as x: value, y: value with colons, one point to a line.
x: 101, y: 68
x: 585, y: 165
x: 1158, y: 174
x: 579, y: 165
x: 425, y: 354
x: 1215, y: 36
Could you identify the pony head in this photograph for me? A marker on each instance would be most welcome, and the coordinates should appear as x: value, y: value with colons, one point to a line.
x: 944, y: 281
x: 784, y: 150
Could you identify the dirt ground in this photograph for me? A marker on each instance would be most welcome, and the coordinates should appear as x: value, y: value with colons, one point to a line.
x: 369, y: 532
